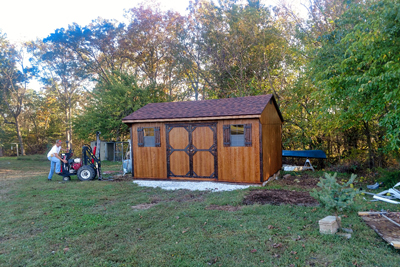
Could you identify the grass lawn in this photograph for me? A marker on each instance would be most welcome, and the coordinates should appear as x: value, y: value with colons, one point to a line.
x: 96, y: 223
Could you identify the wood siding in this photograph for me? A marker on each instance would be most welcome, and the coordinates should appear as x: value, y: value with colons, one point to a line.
x: 203, y: 161
x: 179, y: 160
x: 191, y: 150
x: 239, y: 164
x: 271, y: 141
x: 149, y: 162
x: 234, y: 164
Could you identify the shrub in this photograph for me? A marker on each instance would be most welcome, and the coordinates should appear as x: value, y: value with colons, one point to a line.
x: 335, y: 196
x: 389, y: 178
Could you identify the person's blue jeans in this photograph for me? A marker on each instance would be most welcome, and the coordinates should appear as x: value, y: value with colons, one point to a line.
x: 54, y: 163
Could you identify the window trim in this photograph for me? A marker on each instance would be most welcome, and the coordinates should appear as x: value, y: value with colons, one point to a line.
x: 142, y: 140
x: 247, y: 135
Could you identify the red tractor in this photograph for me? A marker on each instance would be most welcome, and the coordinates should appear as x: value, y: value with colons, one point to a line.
x: 87, y: 167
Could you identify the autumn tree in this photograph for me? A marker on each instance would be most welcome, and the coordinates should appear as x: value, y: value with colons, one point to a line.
x: 62, y: 73
x: 147, y: 45
x: 242, y: 48
x: 111, y: 101
x: 14, y: 79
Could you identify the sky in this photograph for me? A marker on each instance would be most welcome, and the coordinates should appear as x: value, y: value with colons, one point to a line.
x: 27, y: 20
x: 24, y: 20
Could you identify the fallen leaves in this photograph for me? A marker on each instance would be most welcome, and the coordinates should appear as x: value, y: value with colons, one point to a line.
x: 66, y: 249
x: 277, y: 245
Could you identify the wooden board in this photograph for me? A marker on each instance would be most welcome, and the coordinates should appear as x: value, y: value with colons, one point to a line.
x: 239, y: 164
x: 203, y: 164
x: 179, y: 138
x: 191, y: 150
x: 179, y: 161
x: 149, y: 162
x: 272, y: 149
x: 270, y: 115
x: 383, y: 227
x: 202, y: 138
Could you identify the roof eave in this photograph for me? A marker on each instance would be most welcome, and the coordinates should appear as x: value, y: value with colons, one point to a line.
x: 254, y: 116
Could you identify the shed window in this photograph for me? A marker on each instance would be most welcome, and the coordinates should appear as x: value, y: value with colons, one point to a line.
x: 237, y: 135
x: 149, y: 137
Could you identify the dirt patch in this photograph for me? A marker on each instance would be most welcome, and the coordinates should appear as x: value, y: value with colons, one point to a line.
x: 303, y: 181
x: 278, y: 197
x: 225, y: 208
x: 119, y: 178
x: 190, y: 197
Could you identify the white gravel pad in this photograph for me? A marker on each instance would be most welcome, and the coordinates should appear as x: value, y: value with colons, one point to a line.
x: 193, y: 186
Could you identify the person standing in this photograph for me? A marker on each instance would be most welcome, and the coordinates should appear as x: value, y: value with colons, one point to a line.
x: 55, y: 159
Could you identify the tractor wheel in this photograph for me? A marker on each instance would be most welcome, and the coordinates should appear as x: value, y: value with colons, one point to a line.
x: 86, y: 173
x: 66, y: 178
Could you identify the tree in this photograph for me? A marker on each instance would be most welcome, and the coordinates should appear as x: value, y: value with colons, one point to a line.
x: 94, y: 46
x: 147, y: 46
x: 357, y: 70
x: 110, y: 102
x: 244, y: 50
x: 335, y: 196
x: 14, y: 78
x: 62, y: 73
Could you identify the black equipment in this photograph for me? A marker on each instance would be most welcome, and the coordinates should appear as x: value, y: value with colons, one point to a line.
x: 87, y: 167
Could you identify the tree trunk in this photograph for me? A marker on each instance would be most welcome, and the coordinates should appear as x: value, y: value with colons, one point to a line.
x: 66, y: 127
x: 369, y: 143
x: 19, y: 135
x: 69, y: 137
x: 381, y: 159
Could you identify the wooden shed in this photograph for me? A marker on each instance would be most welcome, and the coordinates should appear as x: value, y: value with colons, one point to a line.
x: 228, y: 140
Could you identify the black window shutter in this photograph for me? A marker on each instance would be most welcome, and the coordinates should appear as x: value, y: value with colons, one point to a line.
x: 140, y: 136
x: 247, y: 134
x: 227, y: 135
x: 157, y: 136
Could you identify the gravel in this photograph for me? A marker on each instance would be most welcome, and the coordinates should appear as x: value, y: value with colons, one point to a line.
x: 190, y: 185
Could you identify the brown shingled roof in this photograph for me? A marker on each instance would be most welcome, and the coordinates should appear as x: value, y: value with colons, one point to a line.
x: 240, y: 106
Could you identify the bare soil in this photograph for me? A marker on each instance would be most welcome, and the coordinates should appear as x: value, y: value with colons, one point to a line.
x: 262, y: 196
x: 279, y: 197
x: 119, y: 177
x: 303, y: 181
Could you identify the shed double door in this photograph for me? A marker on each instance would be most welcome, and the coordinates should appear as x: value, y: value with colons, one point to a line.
x: 192, y: 150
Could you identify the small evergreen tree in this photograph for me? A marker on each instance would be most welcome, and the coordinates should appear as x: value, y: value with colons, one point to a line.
x: 335, y: 196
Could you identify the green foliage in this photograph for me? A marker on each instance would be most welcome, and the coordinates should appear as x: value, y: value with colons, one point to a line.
x: 357, y: 68
x: 389, y: 178
x: 242, y: 47
x: 110, y: 102
x: 335, y: 196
